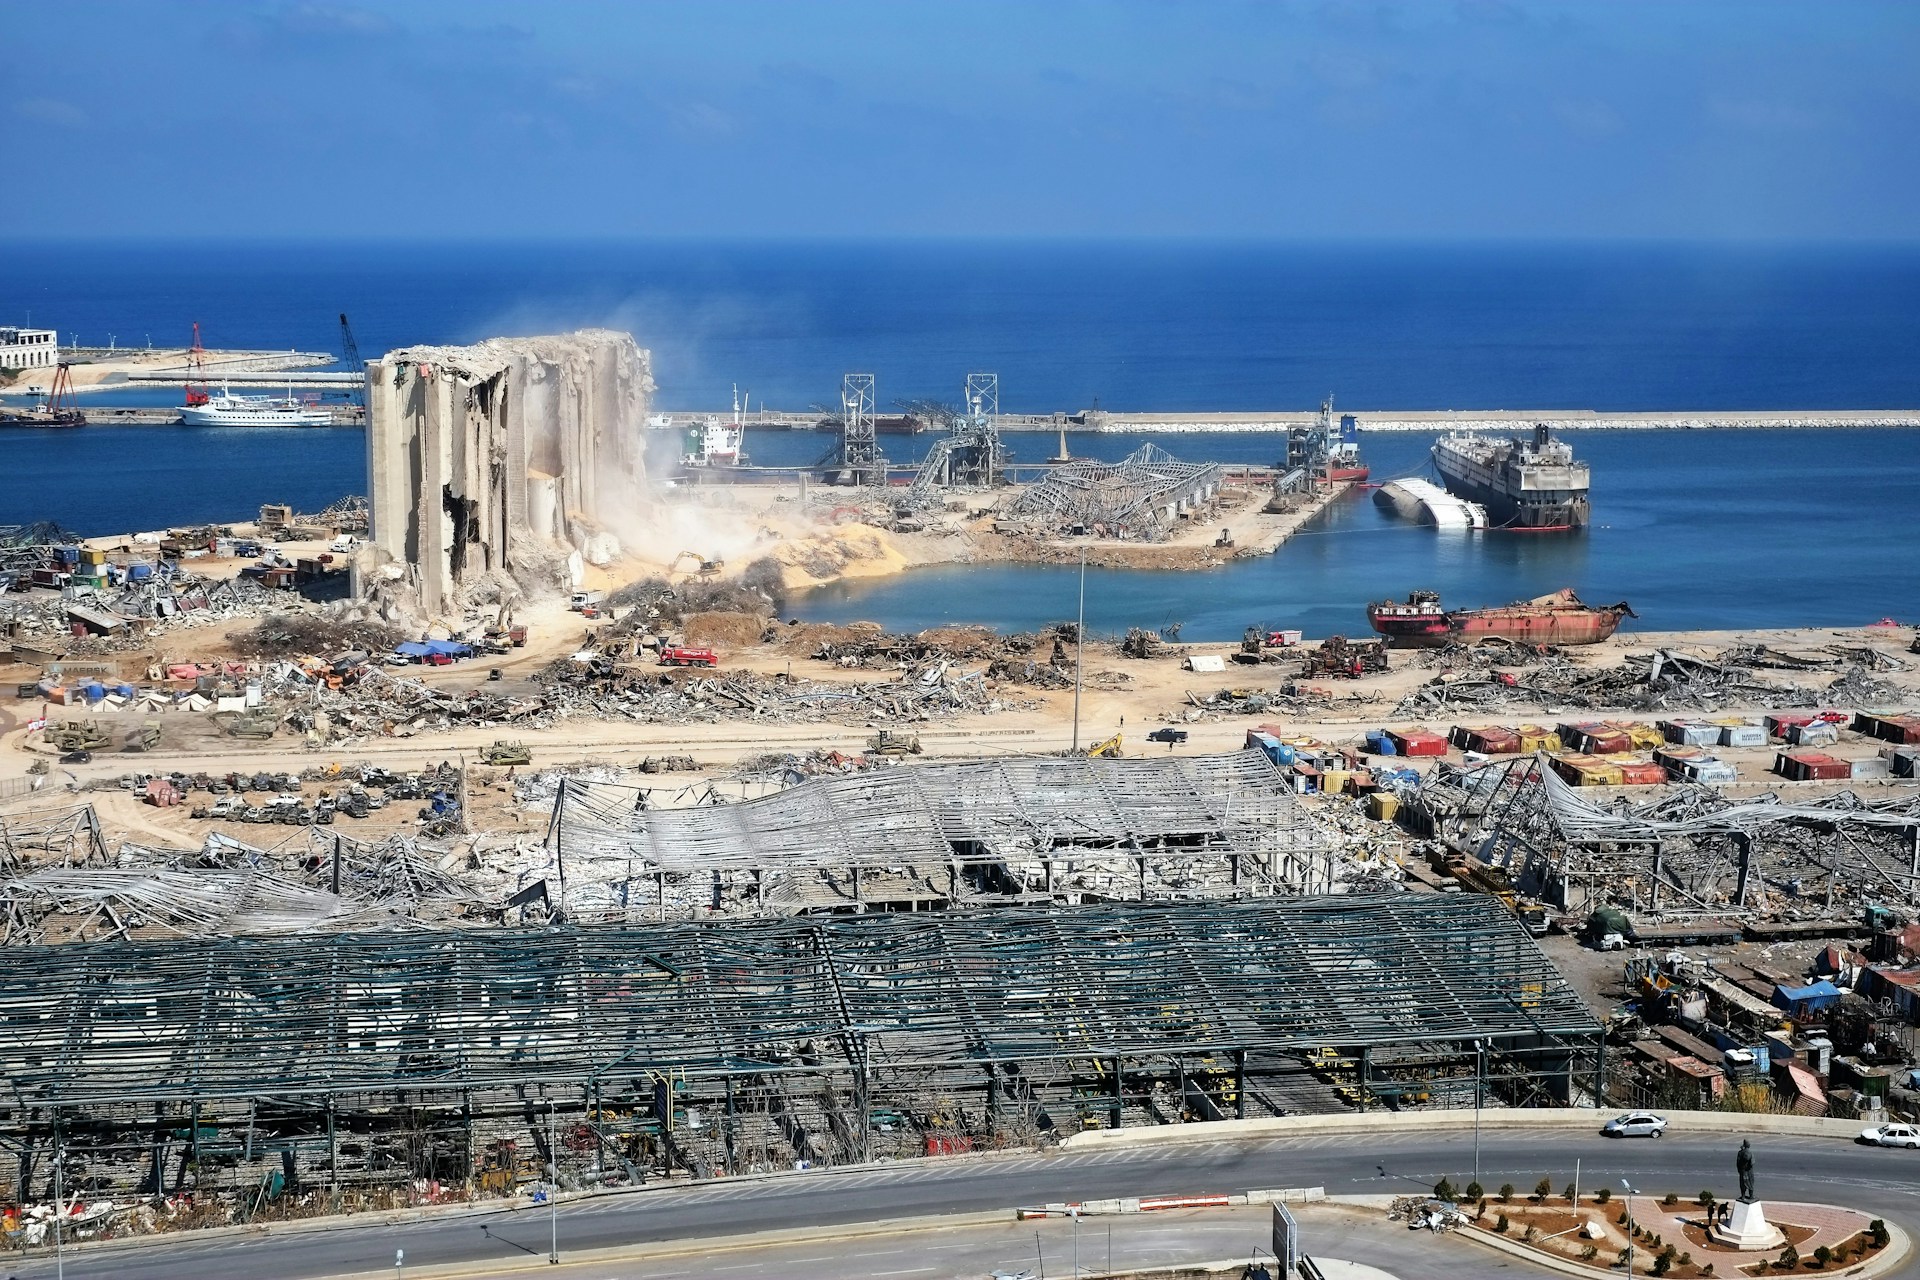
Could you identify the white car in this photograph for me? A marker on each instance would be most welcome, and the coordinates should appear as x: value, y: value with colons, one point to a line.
x: 1635, y: 1124
x: 1892, y: 1135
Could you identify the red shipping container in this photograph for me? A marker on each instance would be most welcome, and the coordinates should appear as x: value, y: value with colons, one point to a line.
x: 1605, y: 742
x: 1642, y: 773
x: 1811, y: 766
x: 1418, y: 742
x: 1495, y: 741
x: 1777, y: 722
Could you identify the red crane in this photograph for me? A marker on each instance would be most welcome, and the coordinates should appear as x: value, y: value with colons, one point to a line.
x: 62, y: 409
x: 196, y: 370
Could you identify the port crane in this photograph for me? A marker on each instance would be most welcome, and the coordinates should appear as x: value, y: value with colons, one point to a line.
x: 350, y: 356
x: 196, y: 370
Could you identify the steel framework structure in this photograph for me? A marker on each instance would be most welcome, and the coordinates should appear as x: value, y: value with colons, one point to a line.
x: 1138, y: 497
x: 380, y: 1057
x: 1689, y: 852
x: 975, y: 832
x: 860, y: 461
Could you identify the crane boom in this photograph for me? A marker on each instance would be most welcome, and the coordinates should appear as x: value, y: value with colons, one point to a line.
x: 350, y: 356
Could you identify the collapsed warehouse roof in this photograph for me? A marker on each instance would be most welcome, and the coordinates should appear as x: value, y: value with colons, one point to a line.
x: 1690, y: 851
x: 1138, y: 497
x: 977, y: 831
x: 443, y: 1012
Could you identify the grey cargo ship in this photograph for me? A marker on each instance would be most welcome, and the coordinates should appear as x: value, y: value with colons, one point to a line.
x: 1523, y: 484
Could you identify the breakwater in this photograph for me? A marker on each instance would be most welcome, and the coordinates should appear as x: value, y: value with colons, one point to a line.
x: 1428, y: 420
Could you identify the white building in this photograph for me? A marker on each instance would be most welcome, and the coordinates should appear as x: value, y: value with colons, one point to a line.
x: 29, y: 348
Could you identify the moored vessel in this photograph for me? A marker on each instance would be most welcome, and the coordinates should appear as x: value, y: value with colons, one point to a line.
x: 717, y: 442
x: 1560, y: 618
x: 1524, y: 484
x: 229, y: 410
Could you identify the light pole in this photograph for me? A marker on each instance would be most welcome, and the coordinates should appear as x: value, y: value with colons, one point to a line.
x: 1479, y: 1091
x: 1076, y: 1244
x: 59, y: 1208
x: 1080, y: 647
x: 1631, y: 1224
x: 553, y: 1184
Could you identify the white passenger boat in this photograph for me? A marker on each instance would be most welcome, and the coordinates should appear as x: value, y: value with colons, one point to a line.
x: 229, y: 410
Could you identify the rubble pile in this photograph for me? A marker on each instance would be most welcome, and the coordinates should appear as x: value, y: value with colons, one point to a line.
x: 598, y: 686
x: 283, y: 634
x: 1659, y: 681
x: 1293, y: 699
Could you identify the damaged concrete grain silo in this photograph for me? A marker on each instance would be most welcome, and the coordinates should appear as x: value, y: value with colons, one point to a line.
x: 498, y: 467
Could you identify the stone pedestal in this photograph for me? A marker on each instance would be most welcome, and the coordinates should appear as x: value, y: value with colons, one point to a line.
x: 1747, y: 1228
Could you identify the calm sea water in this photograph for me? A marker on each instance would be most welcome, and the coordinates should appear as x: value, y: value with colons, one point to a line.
x: 1697, y: 529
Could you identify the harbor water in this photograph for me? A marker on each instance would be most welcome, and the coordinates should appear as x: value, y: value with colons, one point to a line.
x: 1696, y: 529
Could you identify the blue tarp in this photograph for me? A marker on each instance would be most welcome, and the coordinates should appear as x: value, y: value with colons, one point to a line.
x: 412, y: 649
x: 1817, y: 996
x: 452, y: 648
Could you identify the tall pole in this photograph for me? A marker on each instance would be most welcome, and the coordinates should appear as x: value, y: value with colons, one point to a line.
x: 1080, y: 647
x: 1479, y: 1090
x: 59, y: 1207
x: 553, y: 1191
x: 1076, y: 1244
x: 1631, y: 1224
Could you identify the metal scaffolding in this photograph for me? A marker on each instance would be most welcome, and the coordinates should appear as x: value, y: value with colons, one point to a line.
x: 859, y: 459
x: 730, y: 1046
x: 978, y: 832
x: 1140, y: 496
x: 1688, y: 852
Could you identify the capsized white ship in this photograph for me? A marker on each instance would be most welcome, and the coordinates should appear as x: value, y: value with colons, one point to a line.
x: 230, y: 410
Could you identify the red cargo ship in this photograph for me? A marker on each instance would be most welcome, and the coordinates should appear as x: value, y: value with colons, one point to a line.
x: 1559, y: 618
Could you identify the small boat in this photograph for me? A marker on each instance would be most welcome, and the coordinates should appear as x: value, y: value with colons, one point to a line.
x: 1559, y: 619
x: 229, y: 410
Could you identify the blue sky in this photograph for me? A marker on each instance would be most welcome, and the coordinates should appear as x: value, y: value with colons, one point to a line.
x: 1308, y: 119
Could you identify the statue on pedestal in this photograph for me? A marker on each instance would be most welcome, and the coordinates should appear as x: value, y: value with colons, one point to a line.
x: 1743, y: 1165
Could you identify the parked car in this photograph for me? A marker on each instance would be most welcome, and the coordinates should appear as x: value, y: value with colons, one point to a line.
x: 1168, y: 736
x: 1892, y: 1135
x: 1635, y: 1124
x: 438, y: 660
x: 77, y: 757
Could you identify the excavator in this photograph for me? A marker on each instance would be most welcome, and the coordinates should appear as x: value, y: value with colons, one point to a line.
x: 704, y: 569
x: 1110, y: 749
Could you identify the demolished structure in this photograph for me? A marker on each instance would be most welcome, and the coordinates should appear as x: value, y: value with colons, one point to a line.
x: 326, y: 1063
x: 1689, y: 853
x: 1141, y: 496
x: 511, y: 461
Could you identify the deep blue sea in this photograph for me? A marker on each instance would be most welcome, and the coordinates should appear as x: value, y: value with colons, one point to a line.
x: 1695, y: 528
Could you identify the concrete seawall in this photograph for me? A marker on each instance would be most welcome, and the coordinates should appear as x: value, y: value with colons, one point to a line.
x: 1173, y: 421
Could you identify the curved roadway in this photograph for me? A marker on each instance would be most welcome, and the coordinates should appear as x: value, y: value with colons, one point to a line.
x: 1880, y: 1182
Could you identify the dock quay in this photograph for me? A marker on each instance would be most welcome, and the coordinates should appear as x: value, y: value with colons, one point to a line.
x: 1174, y: 421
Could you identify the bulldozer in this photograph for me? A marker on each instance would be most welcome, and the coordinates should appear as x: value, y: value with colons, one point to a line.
x: 504, y: 752
x: 249, y: 724
x: 891, y: 742
x: 1338, y: 656
x: 144, y: 738
x: 1109, y: 749
x: 80, y: 735
x: 703, y: 568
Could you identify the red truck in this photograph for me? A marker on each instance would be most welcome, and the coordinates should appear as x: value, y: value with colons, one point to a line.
x: 676, y: 655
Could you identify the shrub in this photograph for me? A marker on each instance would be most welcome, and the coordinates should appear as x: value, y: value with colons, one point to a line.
x: 1622, y: 1219
x: 1707, y: 1270
x: 1686, y: 1259
x: 1530, y: 1232
x: 1501, y: 1224
x: 1823, y: 1255
x: 1589, y: 1252
x: 1443, y: 1190
x: 1706, y: 1199
x: 1670, y: 1199
x: 1621, y: 1261
x: 1603, y: 1195
x: 1568, y: 1194
x: 1789, y: 1258
x: 1480, y: 1209
x: 1543, y: 1189
x: 1877, y: 1229
x: 1661, y: 1264
x: 1506, y: 1192
x: 1475, y: 1191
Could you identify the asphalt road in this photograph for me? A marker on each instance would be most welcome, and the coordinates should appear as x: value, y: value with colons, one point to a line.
x: 1881, y: 1182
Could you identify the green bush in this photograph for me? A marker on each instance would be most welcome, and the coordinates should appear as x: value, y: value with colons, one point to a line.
x: 1823, y: 1255
x: 1506, y: 1192
x: 1530, y: 1232
x: 1589, y: 1252
x: 1707, y: 1270
x: 1568, y: 1194
x: 1443, y: 1190
x: 1706, y: 1199
x: 1686, y: 1259
x: 1622, y: 1219
x: 1878, y: 1231
x: 1501, y: 1224
x: 1670, y: 1199
x: 1789, y: 1258
x: 1543, y: 1188
x: 1475, y: 1191
x: 1603, y: 1195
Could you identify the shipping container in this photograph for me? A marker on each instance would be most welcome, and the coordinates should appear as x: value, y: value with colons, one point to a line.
x: 1889, y: 726
x: 1691, y: 733
x: 1494, y: 740
x: 1742, y: 735
x: 1642, y: 773
x: 1905, y: 761
x: 1815, y: 733
x: 1811, y: 766
x: 1418, y: 742
x: 1382, y: 806
x: 1779, y: 722
x: 1709, y: 772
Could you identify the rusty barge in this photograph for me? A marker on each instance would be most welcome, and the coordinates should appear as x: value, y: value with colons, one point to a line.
x: 1559, y: 619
